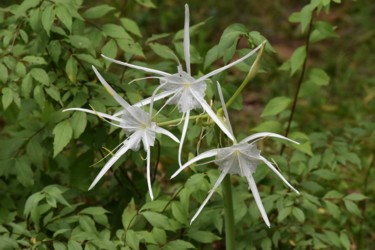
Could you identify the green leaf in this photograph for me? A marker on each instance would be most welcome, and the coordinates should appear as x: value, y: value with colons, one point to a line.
x: 159, y: 235
x: 39, y: 96
x: 98, y: 11
x: 163, y: 51
x: 58, y: 245
x: 211, y: 56
x: 345, y: 242
x: 298, y: 214
x: 297, y: 59
x: 157, y: 220
x: 283, y: 213
x: 115, y: 31
x: 53, y: 92
x: 64, y: 15
x: 268, y: 126
x: 40, y: 75
x: 48, y: 17
x: 355, y: 197
x: 74, y: 245
x: 71, y: 69
x: 128, y: 215
x: 3, y: 73
x: 7, y: 97
x: 78, y: 122
x: 32, y: 202
x: 34, y: 60
x: 132, y: 239
x: 35, y: 151
x: 333, y: 194
x: 20, y: 69
x: 94, y: 211
x: 180, y: 213
x: 178, y: 244
x: 24, y: 172
x: 79, y: 42
x: 276, y: 106
x: 63, y: 133
x: 8, y: 243
x: 319, y: 77
x: 352, y: 207
x: 146, y: 3
x: 203, y: 236
x: 131, y: 26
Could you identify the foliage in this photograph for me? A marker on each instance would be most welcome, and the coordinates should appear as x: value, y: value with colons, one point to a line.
x: 48, y: 158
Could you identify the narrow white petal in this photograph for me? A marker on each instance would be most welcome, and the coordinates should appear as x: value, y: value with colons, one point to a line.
x: 148, y: 171
x: 266, y: 134
x: 212, y: 114
x: 158, y: 97
x: 219, y: 180
x: 158, y: 72
x: 110, y: 90
x: 127, y: 144
x: 224, y: 107
x: 187, y: 39
x: 257, y: 199
x: 199, y: 157
x: 103, y: 115
x: 184, y: 129
x: 167, y: 133
x: 269, y: 164
x: 217, y: 71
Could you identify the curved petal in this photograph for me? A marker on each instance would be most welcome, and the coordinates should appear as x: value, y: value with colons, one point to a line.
x: 158, y: 72
x: 158, y: 97
x: 187, y: 39
x: 217, y: 71
x: 207, y: 154
x: 133, y: 139
x: 269, y: 164
x: 148, y: 170
x: 100, y: 114
x: 257, y: 199
x: 266, y: 134
x: 219, y: 180
x: 184, y: 129
x: 167, y: 133
x: 110, y: 90
x: 224, y: 107
x: 212, y: 114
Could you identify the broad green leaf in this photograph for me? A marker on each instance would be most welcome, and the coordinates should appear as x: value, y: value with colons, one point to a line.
x: 266, y: 244
x: 32, y: 202
x: 7, y: 97
x: 115, y: 31
x: 297, y: 59
x: 355, y: 197
x: 48, y: 17
x: 163, y: 51
x: 8, y: 242
x: 159, y: 235
x: 20, y: 69
x: 97, y: 11
x: 39, y: 96
x: 63, y: 133
x: 131, y: 26
x: 87, y: 224
x: 352, y: 207
x: 40, y: 75
x: 3, y: 73
x: 78, y: 122
x: 319, y: 76
x: 155, y: 205
x: 57, y: 245
x: 74, y: 245
x: 24, y: 172
x: 345, y: 242
x: 132, y: 239
x: 276, y: 106
x: 130, y: 47
x: 89, y: 59
x: 333, y: 194
x: 178, y: 244
x: 71, y: 69
x: 34, y: 60
x: 94, y: 211
x: 128, y: 216
x: 157, y: 220
x: 64, y: 15
x: 211, y: 56
x: 322, y: 30
x: 268, y: 126
x: 283, y: 213
x: 298, y: 214
x: 79, y: 42
x: 56, y: 192
x: 155, y: 37
x: 25, y: 6
x: 146, y: 3
x: 180, y: 213
x: 55, y: 49
x: 110, y: 49
x: 54, y: 93
x: 203, y: 236
x: 35, y: 151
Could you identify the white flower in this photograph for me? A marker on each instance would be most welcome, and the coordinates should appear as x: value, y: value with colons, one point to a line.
x: 183, y: 90
x: 242, y: 159
x: 137, y: 125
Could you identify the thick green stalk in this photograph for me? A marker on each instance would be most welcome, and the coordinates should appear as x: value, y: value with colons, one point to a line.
x: 228, y: 214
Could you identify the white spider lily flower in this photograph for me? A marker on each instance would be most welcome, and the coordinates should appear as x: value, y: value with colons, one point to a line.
x: 138, y: 127
x: 183, y: 90
x: 242, y: 159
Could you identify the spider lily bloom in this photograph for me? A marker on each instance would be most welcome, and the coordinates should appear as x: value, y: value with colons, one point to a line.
x: 241, y: 158
x: 138, y: 127
x: 183, y: 90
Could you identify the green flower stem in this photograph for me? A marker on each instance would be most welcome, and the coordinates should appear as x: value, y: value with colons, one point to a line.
x: 228, y: 214
x: 253, y: 70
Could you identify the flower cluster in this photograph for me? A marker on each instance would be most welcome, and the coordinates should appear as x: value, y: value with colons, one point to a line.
x: 187, y: 94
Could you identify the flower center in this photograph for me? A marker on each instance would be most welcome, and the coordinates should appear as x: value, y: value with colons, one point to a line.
x: 186, y: 85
